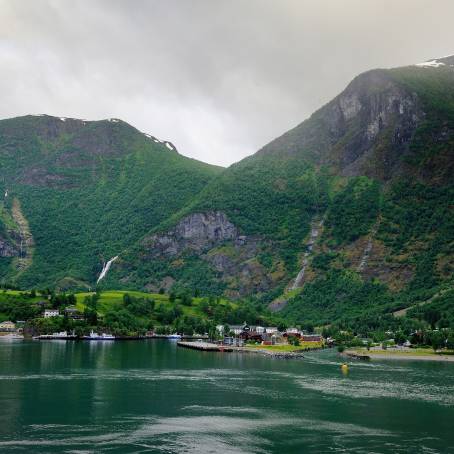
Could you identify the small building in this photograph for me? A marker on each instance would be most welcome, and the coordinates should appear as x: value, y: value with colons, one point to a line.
x: 51, y: 313
x: 271, y: 330
x: 239, y: 329
x: 220, y: 329
x: 233, y: 341
x: 258, y: 329
x: 7, y: 326
x: 292, y: 332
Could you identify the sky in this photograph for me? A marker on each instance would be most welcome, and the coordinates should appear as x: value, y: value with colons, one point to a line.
x: 218, y: 78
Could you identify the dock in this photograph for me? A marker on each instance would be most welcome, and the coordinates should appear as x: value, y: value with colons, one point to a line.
x: 205, y: 346
x: 357, y: 355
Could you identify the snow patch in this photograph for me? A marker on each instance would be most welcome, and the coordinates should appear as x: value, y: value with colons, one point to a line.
x: 431, y: 64
x: 113, y: 120
x: 62, y: 118
x: 106, y: 268
x: 168, y: 144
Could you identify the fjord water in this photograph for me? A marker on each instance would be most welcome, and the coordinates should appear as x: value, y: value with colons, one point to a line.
x: 151, y: 396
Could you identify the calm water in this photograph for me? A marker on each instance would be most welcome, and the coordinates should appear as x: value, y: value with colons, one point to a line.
x: 150, y: 396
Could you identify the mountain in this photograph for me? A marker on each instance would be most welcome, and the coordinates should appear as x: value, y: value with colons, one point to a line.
x: 76, y: 193
x: 348, y: 213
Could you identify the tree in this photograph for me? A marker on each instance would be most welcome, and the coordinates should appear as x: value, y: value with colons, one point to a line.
x: 437, y: 340
x: 400, y: 337
x: 186, y: 299
x: 431, y: 316
x: 450, y: 340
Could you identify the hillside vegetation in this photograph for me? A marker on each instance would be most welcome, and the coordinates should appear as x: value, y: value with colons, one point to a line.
x: 87, y: 190
x: 345, y: 218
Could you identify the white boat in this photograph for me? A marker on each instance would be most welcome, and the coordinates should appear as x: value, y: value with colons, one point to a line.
x: 98, y: 337
x: 173, y: 336
x: 11, y: 336
x: 62, y: 335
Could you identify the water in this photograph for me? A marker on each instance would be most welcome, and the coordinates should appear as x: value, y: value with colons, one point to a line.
x: 153, y: 397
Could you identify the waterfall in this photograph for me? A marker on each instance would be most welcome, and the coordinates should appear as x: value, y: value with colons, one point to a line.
x: 106, y: 268
x: 315, y: 230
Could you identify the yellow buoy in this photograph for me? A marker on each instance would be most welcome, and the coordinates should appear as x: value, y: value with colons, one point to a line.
x: 344, y: 368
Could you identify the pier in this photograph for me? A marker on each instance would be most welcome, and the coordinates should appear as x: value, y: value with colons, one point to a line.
x: 357, y: 355
x: 205, y: 346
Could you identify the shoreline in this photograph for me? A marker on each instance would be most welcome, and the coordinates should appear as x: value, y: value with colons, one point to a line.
x: 359, y: 354
x: 270, y: 352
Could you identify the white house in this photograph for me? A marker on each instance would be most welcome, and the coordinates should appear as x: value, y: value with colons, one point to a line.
x: 220, y: 329
x: 271, y: 330
x: 259, y: 329
x: 51, y: 313
x: 7, y: 326
x: 236, y: 329
x: 292, y: 331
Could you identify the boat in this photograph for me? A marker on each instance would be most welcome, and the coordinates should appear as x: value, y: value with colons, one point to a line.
x: 11, y: 336
x: 99, y: 337
x: 173, y: 336
x: 62, y: 335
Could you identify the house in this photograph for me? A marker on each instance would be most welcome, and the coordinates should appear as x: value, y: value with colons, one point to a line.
x: 240, y: 329
x: 233, y: 341
x: 51, y: 313
x: 7, y: 326
x: 292, y: 332
x: 258, y: 329
x: 236, y: 329
x: 271, y: 330
x: 220, y: 329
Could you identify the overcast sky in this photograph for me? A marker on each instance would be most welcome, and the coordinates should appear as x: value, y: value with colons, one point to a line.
x: 218, y: 78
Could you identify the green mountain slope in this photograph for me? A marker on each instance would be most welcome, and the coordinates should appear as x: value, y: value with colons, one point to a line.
x: 349, y: 212
x: 77, y: 193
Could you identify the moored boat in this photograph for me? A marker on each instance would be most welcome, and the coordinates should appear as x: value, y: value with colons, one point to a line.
x: 99, y: 337
x: 62, y: 335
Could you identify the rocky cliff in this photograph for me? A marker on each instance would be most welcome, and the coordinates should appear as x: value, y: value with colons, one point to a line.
x: 7, y: 249
x: 375, y: 163
x: 215, y: 243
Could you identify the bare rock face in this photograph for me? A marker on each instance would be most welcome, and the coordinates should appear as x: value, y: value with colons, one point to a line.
x: 7, y: 249
x: 197, y: 232
x: 216, y: 240
x: 366, y: 130
x: 378, y: 125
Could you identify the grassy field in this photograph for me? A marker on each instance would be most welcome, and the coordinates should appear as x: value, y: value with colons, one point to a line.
x: 114, y: 298
x: 19, y: 295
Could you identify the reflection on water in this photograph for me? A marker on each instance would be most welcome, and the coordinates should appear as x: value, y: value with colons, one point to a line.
x: 150, y: 396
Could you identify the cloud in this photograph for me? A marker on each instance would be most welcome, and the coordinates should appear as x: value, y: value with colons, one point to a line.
x: 218, y: 78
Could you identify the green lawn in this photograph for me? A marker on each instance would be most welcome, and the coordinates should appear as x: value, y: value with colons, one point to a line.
x: 114, y: 298
x: 287, y: 348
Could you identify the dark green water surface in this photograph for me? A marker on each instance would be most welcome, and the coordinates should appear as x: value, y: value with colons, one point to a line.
x: 151, y: 396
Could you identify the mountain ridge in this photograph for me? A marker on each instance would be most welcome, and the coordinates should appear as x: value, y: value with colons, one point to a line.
x: 372, y: 168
